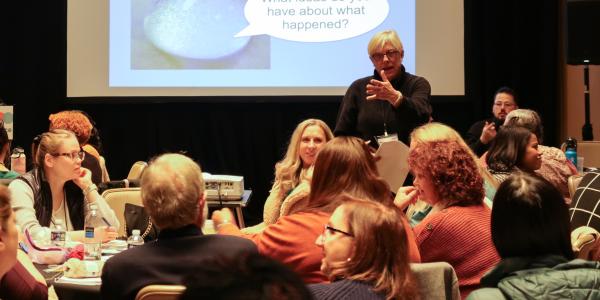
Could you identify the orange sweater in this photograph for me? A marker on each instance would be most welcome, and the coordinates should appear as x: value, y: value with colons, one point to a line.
x: 460, y: 236
x: 291, y: 240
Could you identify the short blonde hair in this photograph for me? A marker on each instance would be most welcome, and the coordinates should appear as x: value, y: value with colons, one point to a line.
x: 172, y: 186
x: 386, y: 36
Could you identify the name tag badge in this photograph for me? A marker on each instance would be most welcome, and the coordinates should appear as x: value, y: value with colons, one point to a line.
x: 386, y: 138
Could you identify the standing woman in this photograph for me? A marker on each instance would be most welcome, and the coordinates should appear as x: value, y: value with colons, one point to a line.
x: 390, y: 102
x: 293, y: 173
x: 59, y: 188
x: 361, y: 260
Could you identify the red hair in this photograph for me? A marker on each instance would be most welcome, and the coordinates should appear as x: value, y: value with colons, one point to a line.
x: 74, y: 121
x: 452, y: 171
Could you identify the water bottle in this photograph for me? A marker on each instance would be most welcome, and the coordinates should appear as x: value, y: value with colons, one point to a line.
x: 571, y: 150
x: 17, y: 161
x: 58, y: 234
x: 135, y: 239
x: 91, y: 241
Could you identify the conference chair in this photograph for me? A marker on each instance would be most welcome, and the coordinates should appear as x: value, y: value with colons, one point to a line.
x: 116, y: 199
x: 436, y: 280
x: 136, y: 170
x: 160, y: 292
x: 590, y: 151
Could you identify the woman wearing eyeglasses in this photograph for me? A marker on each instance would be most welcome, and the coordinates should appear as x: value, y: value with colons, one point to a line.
x: 343, y: 166
x: 391, y: 102
x: 59, y: 188
x: 356, y: 267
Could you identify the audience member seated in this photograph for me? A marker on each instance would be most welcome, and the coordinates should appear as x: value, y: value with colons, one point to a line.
x: 16, y: 281
x: 173, y: 195
x: 555, y: 166
x: 585, y: 208
x: 78, y: 123
x: 432, y: 132
x: 292, y: 174
x: 5, y: 173
x: 514, y: 149
x: 482, y: 133
x: 344, y: 165
x: 248, y: 277
x: 531, y: 231
x: 94, y: 146
x: 361, y: 259
x: 59, y: 188
x: 457, y: 230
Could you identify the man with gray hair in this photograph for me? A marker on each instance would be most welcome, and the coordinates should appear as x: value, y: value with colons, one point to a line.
x: 172, y: 191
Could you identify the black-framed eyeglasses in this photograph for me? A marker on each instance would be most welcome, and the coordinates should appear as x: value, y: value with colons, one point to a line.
x: 391, y: 54
x: 330, y: 230
x: 72, y: 155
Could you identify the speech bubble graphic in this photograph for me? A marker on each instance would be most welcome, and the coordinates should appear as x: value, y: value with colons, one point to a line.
x: 313, y: 21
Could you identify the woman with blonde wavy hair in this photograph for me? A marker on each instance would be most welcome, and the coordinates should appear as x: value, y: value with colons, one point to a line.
x: 433, y: 132
x: 293, y: 173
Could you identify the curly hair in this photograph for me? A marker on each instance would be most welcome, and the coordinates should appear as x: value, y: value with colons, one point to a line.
x: 452, y: 171
x: 74, y: 121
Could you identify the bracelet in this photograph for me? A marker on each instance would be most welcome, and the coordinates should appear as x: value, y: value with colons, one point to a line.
x: 92, y: 187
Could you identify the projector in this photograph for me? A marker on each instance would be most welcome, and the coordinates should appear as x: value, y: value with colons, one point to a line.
x: 223, y: 187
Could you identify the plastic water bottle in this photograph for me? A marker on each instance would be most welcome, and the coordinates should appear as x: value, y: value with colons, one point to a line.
x: 571, y: 150
x: 58, y: 234
x: 92, y: 242
x: 135, y: 239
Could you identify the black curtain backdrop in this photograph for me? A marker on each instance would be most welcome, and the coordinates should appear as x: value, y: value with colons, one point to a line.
x: 507, y: 42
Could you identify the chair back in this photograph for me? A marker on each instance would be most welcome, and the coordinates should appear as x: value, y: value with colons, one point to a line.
x: 436, y: 280
x: 160, y: 292
x: 136, y: 170
x: 573, y: 183
x: 590, y: 151
x: 116, y: 199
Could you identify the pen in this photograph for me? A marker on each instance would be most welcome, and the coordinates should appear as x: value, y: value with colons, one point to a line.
x: 106, y: 222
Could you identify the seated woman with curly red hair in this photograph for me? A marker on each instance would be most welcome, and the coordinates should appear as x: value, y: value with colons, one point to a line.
x: 457, y: 230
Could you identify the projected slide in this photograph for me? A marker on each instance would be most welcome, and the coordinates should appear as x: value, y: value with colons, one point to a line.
x: 254, y: 43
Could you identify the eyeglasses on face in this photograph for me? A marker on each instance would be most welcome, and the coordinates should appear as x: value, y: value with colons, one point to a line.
x: 72, y: 155
x: 391, y: 54
x: 329, y: 230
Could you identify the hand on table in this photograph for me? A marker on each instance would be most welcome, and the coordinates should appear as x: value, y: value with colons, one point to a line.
x: 106, y: 233
x: 223, y: 216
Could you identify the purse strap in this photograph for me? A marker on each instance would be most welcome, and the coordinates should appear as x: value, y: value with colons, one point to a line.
x: 146, y: 232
